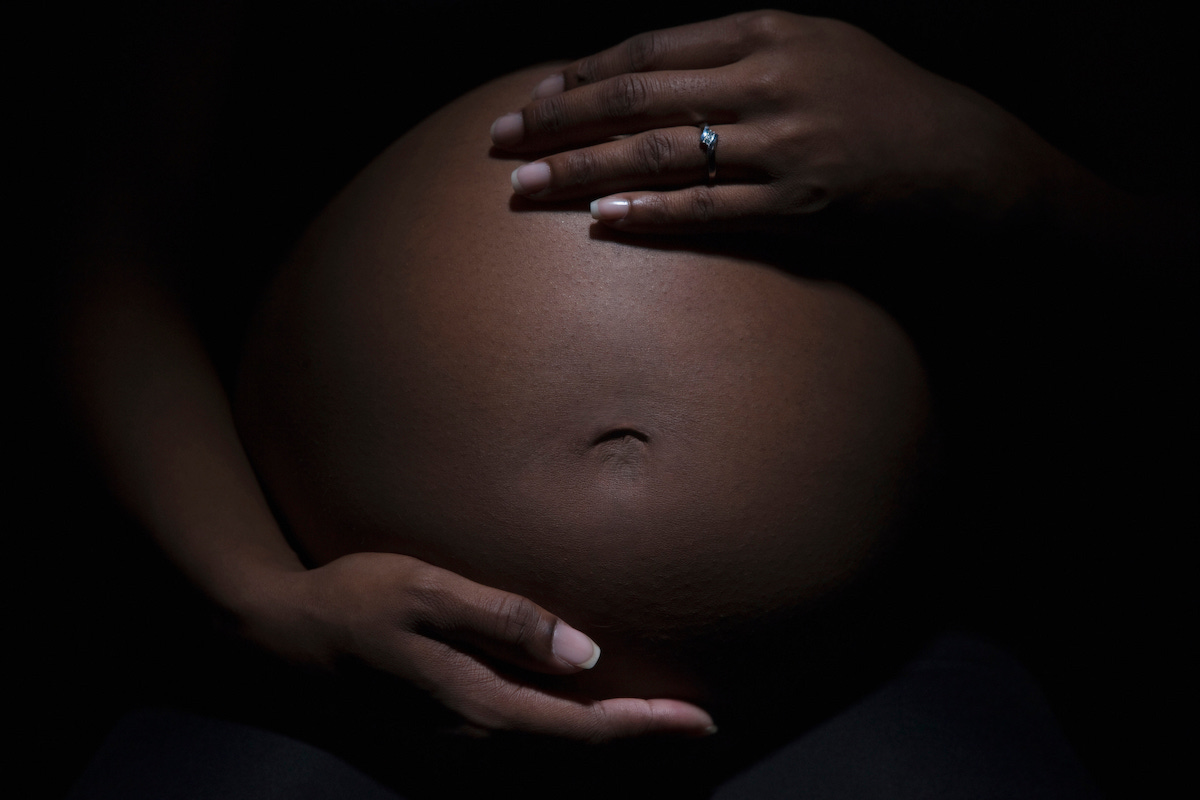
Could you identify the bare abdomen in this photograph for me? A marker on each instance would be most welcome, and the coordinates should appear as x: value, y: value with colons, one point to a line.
x: 647, y: 441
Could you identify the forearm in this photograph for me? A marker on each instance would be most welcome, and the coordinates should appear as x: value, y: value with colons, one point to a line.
x: 1064, y: 204
x: 159, y: 422
x: 1157, y: 235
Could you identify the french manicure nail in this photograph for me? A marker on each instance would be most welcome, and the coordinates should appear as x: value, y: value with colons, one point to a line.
x: 549, y: 87
x: 574, y: 647
x: 509, y: 129
x: 531, y: 178
x: 610, y: 208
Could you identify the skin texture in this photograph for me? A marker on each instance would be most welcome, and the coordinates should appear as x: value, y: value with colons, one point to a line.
x: 813, y: 116
x: 666, y: 446
x: 163, y: 435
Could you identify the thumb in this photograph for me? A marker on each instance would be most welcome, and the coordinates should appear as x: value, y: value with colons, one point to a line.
x: 505, y: 626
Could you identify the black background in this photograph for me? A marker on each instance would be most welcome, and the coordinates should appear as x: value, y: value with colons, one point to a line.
x: 1072, y: 549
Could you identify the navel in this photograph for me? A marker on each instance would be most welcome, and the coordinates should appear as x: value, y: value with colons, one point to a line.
x: 622, y: 452
x: 621, y: 435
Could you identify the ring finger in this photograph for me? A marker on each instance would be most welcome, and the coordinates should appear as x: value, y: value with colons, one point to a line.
x: 657, y: 159
x: 625, y: 104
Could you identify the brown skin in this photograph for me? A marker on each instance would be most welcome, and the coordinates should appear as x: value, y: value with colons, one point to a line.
x: 160, y: 426
x: 812, y: 114
x: 160, y: 421
x: 657, y: 444
x: 162, y: 430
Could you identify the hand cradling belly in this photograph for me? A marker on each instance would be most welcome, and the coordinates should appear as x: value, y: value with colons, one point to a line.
x: 648, y: 441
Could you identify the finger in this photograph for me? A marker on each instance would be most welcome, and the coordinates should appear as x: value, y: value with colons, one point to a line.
x: 618, y: 718
x: 700, y: 45
x: 662, y: 158
x: 496, y: 703
x: 697, y: 209
x: 629, y: 103
x: 624, y: 717
x: 500, y: 624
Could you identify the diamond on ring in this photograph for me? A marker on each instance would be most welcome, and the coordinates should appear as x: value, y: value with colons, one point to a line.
x: 708, y: 140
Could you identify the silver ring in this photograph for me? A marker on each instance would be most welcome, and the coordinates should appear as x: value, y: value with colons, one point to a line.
x: 708, y: 140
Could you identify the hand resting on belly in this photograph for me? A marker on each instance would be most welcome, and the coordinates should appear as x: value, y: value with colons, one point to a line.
x: 666, y: 446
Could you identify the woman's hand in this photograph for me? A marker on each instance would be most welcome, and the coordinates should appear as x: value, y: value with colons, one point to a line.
x: 809, y: 112
x: 162, y: 425
x: 451, y: 638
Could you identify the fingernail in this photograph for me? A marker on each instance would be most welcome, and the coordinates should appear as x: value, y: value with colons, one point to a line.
x: 549, y: 87
x: 609, y: 208
x: 508, y: 130
x: 531, y: 178
x: 574, y: 647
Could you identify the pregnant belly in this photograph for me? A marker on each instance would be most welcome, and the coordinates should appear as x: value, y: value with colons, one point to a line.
x: 649, y: 441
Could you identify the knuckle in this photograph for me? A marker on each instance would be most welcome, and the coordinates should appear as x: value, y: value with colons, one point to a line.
x: 615, y: 719
x: 702, y: 204
x: 626, y: 95
x: 586, y: 71
x: 519, y: 620
x: 482, y: 716
x: 790, y: 141
x: 580, y: 167
x: 653, y: 152
x: 642, y: 51
x: 766, y: 87
x: 426, y: 593
x: 549, y: 115
x: 761, y: 26
x: 502, y: 705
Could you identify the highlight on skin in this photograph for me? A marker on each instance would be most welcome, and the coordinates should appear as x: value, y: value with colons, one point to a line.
x: 683, y: 453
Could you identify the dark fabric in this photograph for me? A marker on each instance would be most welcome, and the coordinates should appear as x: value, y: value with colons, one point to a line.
x: 1079, y: 555
x: 157, y: 754
x: 961, y: 720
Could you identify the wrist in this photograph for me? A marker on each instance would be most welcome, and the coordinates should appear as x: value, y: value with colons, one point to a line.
x: 1013, y: 173
x: 256, y: 592
x: 277, y: 612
